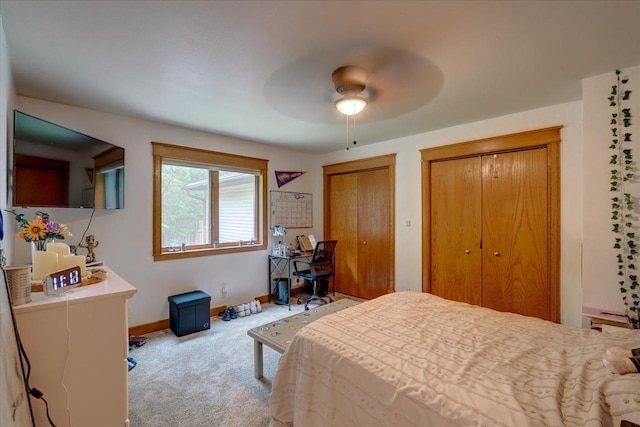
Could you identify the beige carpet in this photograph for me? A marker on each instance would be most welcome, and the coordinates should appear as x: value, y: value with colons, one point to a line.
x: 206, y: 378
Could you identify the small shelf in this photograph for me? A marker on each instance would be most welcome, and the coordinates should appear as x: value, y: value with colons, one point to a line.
x: 601, y: 317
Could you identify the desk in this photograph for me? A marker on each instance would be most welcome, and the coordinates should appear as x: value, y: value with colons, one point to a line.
x: 280, y: 266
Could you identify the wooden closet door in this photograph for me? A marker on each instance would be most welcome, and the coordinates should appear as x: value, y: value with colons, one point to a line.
x: 343, y: 199
x: 373, y: 233
x: 456, y: 269
x: 515, y: 239
x: 360, y: 218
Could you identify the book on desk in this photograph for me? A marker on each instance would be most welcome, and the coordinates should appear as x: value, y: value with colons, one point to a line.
x: 306, y: 243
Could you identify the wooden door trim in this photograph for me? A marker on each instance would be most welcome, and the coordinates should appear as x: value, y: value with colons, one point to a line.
x: 387, y: 161
x: 496, y: 144
x: 548, y: 138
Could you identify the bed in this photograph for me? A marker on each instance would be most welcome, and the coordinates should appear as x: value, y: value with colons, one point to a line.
x: 414, y: 359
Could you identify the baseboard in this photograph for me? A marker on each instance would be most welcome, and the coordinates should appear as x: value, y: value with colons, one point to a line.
x: 159, y: 325
x: 149, y: 327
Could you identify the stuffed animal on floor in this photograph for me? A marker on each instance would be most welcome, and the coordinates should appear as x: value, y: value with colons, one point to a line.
x: 622, y: 361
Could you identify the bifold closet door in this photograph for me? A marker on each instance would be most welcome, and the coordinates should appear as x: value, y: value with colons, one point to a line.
x: 343, y: 199
x: 489, y: 236
x: 456, y: 193
x: 491, y: 222
x: 360, y: 218
x: 374, y: 225
x: 515, y: 274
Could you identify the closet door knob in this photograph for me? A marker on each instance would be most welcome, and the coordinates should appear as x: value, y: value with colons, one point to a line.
x: 467, y: 251
x: 365, y: 242
x: 496, y: 253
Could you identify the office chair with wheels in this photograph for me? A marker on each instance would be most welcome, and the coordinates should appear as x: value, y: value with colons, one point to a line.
x: 321, y: 266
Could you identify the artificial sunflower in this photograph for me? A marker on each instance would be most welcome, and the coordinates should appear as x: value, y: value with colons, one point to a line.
x: 35, y: 229
x: 40, y: 230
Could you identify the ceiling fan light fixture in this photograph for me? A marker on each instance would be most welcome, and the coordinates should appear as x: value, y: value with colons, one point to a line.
x: 350, y: 81
x: 350, y: 105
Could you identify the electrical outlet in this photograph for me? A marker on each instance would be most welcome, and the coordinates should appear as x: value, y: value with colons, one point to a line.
x: 223, y: 290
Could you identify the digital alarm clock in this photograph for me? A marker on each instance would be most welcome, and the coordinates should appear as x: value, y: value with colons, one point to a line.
x: 62, y: 281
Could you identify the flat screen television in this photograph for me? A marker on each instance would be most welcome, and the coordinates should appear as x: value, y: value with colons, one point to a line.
x: 58, y: 167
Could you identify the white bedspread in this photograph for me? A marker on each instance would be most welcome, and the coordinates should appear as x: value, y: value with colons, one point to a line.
x: 413, y: 359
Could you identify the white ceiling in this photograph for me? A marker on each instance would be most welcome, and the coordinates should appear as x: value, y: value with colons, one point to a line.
x: 261, y: 70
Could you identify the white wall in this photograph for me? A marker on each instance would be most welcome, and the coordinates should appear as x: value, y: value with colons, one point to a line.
x: 7, y: 98
x: 125, y: 235
x: 600, y: 283
x: 408, y: 191
x: 14, y: 406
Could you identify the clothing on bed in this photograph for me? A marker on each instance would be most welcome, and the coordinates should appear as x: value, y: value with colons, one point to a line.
x: 620, y: 363
x: 414, y: 359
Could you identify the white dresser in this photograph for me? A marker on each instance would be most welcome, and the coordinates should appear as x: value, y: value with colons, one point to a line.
x: 78, y: 344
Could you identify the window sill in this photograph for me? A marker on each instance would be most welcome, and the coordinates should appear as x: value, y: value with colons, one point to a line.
x: 165, y: 256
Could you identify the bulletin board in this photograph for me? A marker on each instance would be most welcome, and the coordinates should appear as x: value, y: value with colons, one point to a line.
x: 291, y: 210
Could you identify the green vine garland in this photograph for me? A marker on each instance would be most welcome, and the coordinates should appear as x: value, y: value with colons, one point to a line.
x: 622, y: 206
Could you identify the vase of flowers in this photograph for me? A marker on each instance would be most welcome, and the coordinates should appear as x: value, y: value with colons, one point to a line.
x: 39, y: 231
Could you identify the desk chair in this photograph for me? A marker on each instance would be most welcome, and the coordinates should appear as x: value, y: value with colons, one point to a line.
x: 321, y: 266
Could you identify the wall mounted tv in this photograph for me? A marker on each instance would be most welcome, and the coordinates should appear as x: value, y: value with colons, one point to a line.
x: 57, y: 167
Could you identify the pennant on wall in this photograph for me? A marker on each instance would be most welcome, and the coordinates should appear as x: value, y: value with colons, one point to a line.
x: 284, y: 177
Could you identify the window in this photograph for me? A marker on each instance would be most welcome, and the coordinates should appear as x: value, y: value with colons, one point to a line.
x: 114, y: 188
x: 108, y: 179
x: 207, y: 203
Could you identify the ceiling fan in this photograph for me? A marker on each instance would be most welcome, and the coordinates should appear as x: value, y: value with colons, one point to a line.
x: 391, y: 82
x: 350, y: 82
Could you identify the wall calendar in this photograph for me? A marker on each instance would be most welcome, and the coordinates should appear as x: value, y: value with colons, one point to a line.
x: 291, y: 210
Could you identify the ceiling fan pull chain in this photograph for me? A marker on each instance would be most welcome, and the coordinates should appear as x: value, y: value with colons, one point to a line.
x: 347, y: 117
x: 354, y: 130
